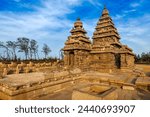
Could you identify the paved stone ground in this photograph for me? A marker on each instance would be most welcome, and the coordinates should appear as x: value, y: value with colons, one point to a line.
x: 21, y: 79
x: 61, y: 95
x: 138, y: 94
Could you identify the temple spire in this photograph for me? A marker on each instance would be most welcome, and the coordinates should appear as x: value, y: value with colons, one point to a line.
x: 77, y: 45
x: 78, y: 19
x: 78, y: 23
x: 105, y: 34
x: 105, y: 11
x: 105, y: 6
x: 78, y: 33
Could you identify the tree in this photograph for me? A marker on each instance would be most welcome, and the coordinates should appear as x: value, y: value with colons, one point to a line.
x: 46, y: 50
x: 61, y: 56
x: 137, y: 58
x: 33, y: 48
x: 2, y: 45
x: 143, y: 58
x: 23, y: 45
x: 12, y: 45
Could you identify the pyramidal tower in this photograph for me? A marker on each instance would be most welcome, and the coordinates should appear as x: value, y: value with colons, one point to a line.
x: 106, y: 53
x: 77, y: 46
x: 105, y: 35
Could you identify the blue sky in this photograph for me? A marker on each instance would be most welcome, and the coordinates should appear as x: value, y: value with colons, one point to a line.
x: 49, y: 21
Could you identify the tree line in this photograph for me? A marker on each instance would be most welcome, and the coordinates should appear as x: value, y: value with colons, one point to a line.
x: 143, y: 58
x: 29, y: 47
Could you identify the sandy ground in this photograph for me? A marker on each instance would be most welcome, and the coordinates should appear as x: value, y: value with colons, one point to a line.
x: 144, y: 67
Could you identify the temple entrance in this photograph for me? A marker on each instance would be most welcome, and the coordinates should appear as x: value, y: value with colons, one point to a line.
x: 118, y: 60
x: 71, y: 58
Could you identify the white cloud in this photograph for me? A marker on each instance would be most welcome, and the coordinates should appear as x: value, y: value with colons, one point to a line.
x: 47, y: 24
x: 129, y: 11
x: 96, y: 3
x: 17, y: 0
x: 135, y: 33
x: 135, y: 4
x: 118, y: 16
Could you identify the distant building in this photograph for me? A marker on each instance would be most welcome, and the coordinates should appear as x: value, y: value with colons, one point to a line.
x: 105, y: 53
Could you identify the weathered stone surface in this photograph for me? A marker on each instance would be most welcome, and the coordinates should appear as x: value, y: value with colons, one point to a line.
x: 77, y: 46
x: 75, y: 71
x: 30, y: 86
x: 77, y: 95
x: 5, y: 72
x: 95, y: 92
x: 59, y: 74
x: 128, y: 88
x: 105, y: 54
x: 143, y: 81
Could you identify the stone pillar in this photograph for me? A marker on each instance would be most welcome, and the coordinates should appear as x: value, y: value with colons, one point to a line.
x: 31, y: 63
x: 123, y: 61
x: 5, y: 72
x: 17, y: 70
x: 66, y: 55
x: 130, y: 60
x: 22, y: 63
x: 75, y: 58
x: 27, y: 70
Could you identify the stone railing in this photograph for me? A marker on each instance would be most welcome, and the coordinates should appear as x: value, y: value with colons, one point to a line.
x: 15, y: 68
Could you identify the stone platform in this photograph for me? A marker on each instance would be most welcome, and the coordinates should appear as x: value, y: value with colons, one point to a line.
x: 31, y: 85
x: 74, y: 84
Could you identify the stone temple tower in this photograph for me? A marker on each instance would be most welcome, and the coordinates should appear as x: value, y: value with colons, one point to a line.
x: 107, y: 52
x: 77, y: 46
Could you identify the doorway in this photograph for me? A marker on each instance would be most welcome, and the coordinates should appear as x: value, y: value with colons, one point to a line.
x: 71, y: 58
x: 118, y: 60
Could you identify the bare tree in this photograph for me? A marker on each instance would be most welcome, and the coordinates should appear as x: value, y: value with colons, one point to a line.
x: 2, y: 45
x: 46, y: 50
x: 61, y: 54
x: 33, y: 48
x: 13, y: 46
x: 23, y: 45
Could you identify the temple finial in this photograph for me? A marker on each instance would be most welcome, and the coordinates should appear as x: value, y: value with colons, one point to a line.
x: 105, y: 6
x: 78, y: 23
x: 105, y: 10
x: 78, y: 19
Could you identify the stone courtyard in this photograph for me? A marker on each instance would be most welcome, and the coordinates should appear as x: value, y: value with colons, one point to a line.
x: 75, y: 84
x: 101, y: 69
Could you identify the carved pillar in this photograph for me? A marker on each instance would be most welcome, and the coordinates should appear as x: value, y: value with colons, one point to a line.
x: 125, y: 60
x: 75, y: 58
x: 66, y: 58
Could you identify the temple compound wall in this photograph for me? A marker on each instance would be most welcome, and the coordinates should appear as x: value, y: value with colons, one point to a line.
x: 104, y: 53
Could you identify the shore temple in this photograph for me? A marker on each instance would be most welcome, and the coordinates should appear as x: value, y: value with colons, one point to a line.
x: 105, y: 52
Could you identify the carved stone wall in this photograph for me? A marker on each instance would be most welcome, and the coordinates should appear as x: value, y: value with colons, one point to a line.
x: 106, y: 53
x: 77, y: 47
